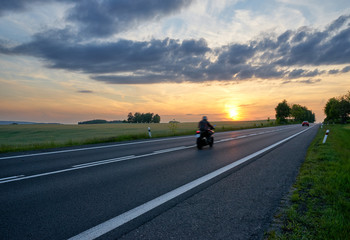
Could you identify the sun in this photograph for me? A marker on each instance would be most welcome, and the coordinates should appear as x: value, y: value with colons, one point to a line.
x: 232, y: 112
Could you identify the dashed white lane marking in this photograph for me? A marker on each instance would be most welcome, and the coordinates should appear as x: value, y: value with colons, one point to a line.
x: 91, y: 164
x: 111, y: 146
x: 171, y: 149
x: 9, y: 178
x: 92, y: 148
x: 119, y: 159
x: 118, y: 221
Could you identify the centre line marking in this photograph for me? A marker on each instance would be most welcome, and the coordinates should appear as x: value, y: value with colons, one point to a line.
x: 115, y: 145
x: 9, y: 178
x: 112, y: 160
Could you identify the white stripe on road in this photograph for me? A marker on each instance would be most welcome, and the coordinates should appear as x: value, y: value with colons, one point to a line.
x: 90, y: 164
x: 113, y: 160
x: 171, y: 149
x: 9, y: 178
x: 93, y: 148
x: 114, y: 145
x: 118, y: 221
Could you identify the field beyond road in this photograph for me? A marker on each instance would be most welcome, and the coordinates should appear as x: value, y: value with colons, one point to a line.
x: 43, y: 136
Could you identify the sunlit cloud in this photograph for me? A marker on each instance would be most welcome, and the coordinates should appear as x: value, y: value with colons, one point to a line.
x: 170, y: 60
x: 107, y: 58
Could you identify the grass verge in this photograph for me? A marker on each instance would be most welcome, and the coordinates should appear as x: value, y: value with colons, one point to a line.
x: 319, y: 205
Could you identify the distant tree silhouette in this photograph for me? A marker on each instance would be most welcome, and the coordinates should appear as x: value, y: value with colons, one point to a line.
x: 297, y: 112
x: 130, y: 118
x: 282, y: 111
x: 96, y: 121
x: 143, y: 118
x: 156, y: 118
x: 300, y: 113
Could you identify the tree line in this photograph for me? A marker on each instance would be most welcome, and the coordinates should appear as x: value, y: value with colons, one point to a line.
x: 131, y: 118
x: 101, y: 121
x: 337, y: 109
x: 295, y: 113
x: 143, y: 118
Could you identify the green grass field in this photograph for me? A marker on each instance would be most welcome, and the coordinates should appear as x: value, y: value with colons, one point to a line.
x: 319, y: 207
x: 42, y: 136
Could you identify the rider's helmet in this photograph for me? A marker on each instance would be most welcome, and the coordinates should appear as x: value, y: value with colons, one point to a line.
x: 205, y: 118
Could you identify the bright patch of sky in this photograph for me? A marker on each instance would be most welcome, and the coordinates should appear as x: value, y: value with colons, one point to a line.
x: 121, y: 54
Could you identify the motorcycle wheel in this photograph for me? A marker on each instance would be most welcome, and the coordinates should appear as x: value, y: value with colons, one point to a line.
x: 211, y: 142
x: 199, y: 144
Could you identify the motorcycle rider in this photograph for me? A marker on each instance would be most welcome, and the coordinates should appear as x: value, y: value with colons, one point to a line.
x: 204, y: 126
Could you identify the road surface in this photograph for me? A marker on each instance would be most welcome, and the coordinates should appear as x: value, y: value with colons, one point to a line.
x: 152, y: 189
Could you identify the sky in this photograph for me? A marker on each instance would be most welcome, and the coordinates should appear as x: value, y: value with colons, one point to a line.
x: 68, y: 61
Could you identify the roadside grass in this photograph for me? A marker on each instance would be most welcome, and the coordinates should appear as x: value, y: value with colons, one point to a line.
x: 43, y: 136
x: 319, y: 206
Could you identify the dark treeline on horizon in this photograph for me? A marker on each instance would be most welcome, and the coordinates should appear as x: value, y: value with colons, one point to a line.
x: 131, y: 118
x: 101, y: 121
x: 143, y: 118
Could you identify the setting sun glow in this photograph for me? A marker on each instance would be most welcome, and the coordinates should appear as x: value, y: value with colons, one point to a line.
x: 232, y: 111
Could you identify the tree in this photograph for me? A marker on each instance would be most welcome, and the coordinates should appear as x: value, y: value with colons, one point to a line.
x: 130, y: 118
x: 282, y: 111
x: 156, y: 118
x: 173, y: 125
x: 143, y: 118
x: 332, y: 110
x: 147, y: 117
x: 95, y: 121
x: 300, y: 113
x: 137, y: 118
x: 338, y: 109
x: 344, y: 109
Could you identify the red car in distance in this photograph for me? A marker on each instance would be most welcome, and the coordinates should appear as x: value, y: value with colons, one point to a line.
x: 305, y: 123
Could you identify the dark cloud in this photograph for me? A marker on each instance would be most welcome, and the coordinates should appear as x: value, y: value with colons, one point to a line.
x: 306, y: 81
x: 151, y: 61
x: 310, y: 47
x: 333, y: 71
x: 85, y: 91
x: 104, y: 18
x: 16, y: 5
x: 336, y: 71
x: 310, y: 81
x: 22, y: 5
x: 298, y: 73
x: 288, y: 56
x: 346, y: 69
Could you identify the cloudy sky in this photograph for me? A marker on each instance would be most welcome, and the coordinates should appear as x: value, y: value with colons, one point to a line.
x: 68, y: 61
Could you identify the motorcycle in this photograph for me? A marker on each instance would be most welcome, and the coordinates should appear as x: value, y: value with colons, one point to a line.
x: 204, y: 138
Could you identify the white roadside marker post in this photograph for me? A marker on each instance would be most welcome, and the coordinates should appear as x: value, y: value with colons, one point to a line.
x: 325, y: 137
x: 149, y: 132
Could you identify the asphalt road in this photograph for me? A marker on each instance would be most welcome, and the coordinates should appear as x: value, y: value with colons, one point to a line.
x: 152, y: 189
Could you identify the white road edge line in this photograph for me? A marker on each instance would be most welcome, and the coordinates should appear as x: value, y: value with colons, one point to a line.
x: 118, y: 221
